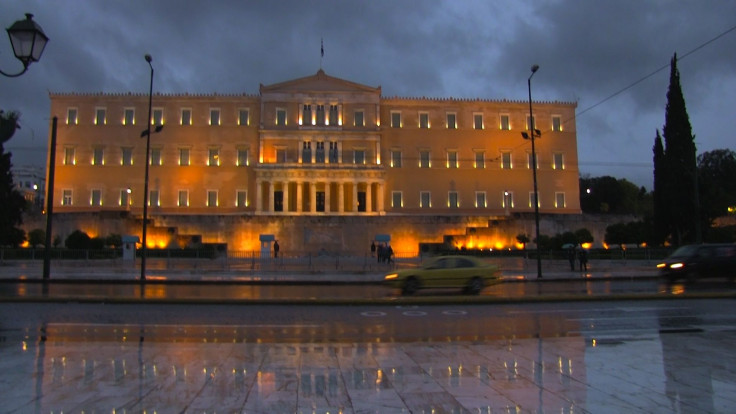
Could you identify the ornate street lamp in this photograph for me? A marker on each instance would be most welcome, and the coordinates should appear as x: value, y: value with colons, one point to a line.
x: 147, y: 134
x: 532, y: 133
x: 28, y: 41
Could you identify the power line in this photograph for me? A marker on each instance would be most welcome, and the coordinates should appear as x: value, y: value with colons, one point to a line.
x: 651, y: 74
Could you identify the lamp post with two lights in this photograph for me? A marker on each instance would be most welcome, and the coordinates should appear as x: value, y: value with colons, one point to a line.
x: 533, y: 132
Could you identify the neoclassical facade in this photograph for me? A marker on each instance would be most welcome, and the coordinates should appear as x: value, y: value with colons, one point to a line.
x: 312, y: 147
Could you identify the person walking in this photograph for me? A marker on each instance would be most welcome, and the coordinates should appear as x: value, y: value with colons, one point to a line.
x: 583, y: 258
x: 571, y: 258
x: 276, y: 249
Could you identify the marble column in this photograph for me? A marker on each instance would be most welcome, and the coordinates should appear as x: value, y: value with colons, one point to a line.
x: 312, y: 197
x: 368, y: 197
x: 285, y: 189
x: 299, y: 191
x: 341, y: 197
x: 259, y: 196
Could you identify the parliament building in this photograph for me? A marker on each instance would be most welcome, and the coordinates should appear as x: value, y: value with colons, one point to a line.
x: 319, y: 162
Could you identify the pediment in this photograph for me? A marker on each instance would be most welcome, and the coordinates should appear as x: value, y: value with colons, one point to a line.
x: 318, y: 83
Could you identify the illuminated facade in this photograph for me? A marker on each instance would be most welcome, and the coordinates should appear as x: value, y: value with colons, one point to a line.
x: 314, y: 147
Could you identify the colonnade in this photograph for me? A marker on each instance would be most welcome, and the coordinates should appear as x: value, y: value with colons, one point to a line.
x: 319, y: 196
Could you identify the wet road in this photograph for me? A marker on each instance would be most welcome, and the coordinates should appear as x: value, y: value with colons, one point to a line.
x: 601, y: 357
x: 345, y: 292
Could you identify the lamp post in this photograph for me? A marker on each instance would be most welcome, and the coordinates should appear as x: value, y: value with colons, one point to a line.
x: 532, y: 133
x: 28, y: 41
x: 147, y: 133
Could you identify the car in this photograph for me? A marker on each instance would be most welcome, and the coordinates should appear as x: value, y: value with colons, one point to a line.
x: 700, y: 261
x: 469, y: 273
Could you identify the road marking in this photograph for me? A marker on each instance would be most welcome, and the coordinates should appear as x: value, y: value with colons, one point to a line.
x: 454, y: 312
x: 414, y: 313
x: 373, y: 313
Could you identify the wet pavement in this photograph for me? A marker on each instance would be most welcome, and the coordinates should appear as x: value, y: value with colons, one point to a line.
x: 633, y: 357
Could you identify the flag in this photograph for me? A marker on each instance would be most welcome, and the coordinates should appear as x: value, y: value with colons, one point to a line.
x: 322, y: 47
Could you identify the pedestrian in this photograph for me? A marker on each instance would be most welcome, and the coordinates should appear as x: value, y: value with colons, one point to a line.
x: 380, y: 252
x: 389, y: 253
x: 276, y: 249
x: 571, y: 258
x: 583, y: 257
x: 373, y: 249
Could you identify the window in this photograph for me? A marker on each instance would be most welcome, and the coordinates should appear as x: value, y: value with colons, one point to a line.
x: 558, y: 161
x: 125, y: 197
x: 306, y: 152
x: 333, y: 115
x: 214, y: 116
x: 126, y: 156
x: 241, y: 198
x: 243, y: 117
x: 66, y: 197
x: 183, y: 156
x: 158, y: 116
x: 278, y: 200
x: 508, y: 200
x: 281, y: 155
x: 359, y: 119
x: 100, y: 116
x: 155, y: 158
x: 452, y: 199
x: 71, y: 116
x: 480, y: 159
x: 213, y: 157
x: 533, y: 121
x: 129, y: 116
x: 212, y: 198
x: 95, y: 198
x: 480, y: 199
x: 242, y: 157
x: 395, y: 119
x: 478, y: 121
x: 452, y: 161
x: 423, y: 120
x: 320, y: 115
x: 186, y: 116
x: 319, y: 153
x: 560, y: 200
x: 183, y: 200
x: 98, y: 156
x: 69, y: 156
x: 532, y: 198
x: 334, y: 153
x: 307, y: 115
x: 153, y: 199
x: 424, y: 159
x: 451, y: 121
x: 505, y: 125
x: 506, y: 160
x: 396, y: 158
x: 556, y: 123
x: 280, y: 117
x: 358, y: 156
x: 530, y: 160
x: 425, y: 199
x: 397, y: 200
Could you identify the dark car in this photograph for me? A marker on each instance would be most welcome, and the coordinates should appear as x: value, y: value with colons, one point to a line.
x: 700, y: 261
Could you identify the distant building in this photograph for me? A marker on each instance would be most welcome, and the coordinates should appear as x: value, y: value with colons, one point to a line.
x: 31, y: 182
x: 319, y: 161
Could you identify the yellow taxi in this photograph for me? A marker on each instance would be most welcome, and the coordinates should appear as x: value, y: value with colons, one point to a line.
x: 469, y: 273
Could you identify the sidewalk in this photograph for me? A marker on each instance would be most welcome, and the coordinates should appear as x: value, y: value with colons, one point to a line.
x: 285, y: 271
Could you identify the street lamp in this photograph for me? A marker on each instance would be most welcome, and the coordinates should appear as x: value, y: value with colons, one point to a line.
x: 28, y: 41
x: 532, y: 133
x: 147, y: 134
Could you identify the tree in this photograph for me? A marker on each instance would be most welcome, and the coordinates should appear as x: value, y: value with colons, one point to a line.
x: 677, y: 168
x: 523, y: 239
x: 12, y: 202
x: 661, y: 209
x: 603, y: 195
x: 716, y: 183
x: 77, y: 240
x: 36, y: 237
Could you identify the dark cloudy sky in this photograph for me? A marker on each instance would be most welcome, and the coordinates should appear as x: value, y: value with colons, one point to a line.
x: 587, y: 51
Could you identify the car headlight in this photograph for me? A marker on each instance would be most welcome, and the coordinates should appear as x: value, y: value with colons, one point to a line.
x: 391, y: 276
x: 661, y: 265
x: 676, y: 265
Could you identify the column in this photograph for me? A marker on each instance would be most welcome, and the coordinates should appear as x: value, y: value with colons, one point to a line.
x: 285, y: 189
x: 313, y: 197
x: 271, y: 189
x: 299, y: 197
x: 259, y: 196
x: 327, y: 197
x: 379, y: 197
x: 368, y: 198
x: 341, y: 197
x: 354, y: 206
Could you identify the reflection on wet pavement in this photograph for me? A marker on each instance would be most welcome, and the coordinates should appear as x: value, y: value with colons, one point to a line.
x: 112, y: 369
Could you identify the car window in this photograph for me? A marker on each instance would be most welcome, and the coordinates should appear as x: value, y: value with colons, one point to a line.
x: 464, y: 263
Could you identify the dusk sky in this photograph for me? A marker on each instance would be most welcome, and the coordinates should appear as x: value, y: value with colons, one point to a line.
x: 587, y: 50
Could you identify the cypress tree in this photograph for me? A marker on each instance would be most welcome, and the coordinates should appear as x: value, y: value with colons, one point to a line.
x: 679, y: 182
x: 12, y: 202
x: 661, y: 220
